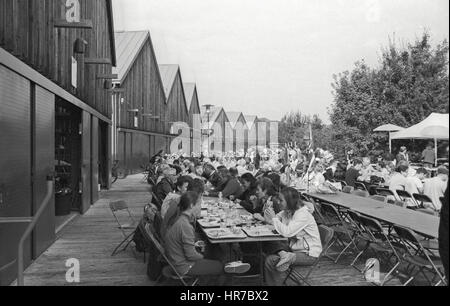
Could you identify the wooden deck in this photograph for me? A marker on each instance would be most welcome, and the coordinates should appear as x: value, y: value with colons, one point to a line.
x: 92, y: 237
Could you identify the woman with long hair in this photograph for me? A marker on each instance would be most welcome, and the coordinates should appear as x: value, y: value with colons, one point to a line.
x: 297, y: 224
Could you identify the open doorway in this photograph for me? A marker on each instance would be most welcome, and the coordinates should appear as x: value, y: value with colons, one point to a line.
x: 68, y: 161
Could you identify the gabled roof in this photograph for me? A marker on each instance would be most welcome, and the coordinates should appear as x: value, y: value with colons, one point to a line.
x: 189, y: 90
x: 128, y: 47
x: 168, y: 76
x: 213, y: 116
x: 234, y: 117
x: 251, y: 120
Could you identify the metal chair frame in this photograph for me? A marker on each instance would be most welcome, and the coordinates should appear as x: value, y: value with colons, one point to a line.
x: 326, y: 236
x: 412, y: 252
x: 343, y: 229
x: 379, y: 243
x: 119, y: 206
x: 150, y: 236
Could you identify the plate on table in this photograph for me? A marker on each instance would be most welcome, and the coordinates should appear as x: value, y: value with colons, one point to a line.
x: 209, y: 222
x: 225, y: 233
x: 260, y: 231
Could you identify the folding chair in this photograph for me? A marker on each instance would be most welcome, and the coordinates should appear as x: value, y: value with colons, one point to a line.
x: 422, y: 199
x: 348, y: 189
x: 326, y: 237
x: 384, y: 192
x: 344, y: 232
x: 121, y: 206
x: 318, y: 216
x: 361, y: 186
x: 168, y: 271
x: 379, y: 243
x: 405, y: 196
x: 416, y: 256
x: 361, y: 193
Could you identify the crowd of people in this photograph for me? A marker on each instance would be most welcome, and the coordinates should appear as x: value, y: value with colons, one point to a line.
x: 266, y: 184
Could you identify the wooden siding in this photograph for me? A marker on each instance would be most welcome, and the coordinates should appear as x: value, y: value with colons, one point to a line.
x: 176, y: 104
x: 27, y: 31
x: 144, y: 91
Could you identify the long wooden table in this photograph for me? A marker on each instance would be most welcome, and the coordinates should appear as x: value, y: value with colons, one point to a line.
x: 420, y: 223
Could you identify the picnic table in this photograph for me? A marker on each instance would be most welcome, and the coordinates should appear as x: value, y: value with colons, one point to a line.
x: 247, y: 229
x: 420, y: 223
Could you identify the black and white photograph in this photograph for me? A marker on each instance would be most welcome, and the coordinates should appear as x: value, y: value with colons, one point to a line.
x: 235, y: 144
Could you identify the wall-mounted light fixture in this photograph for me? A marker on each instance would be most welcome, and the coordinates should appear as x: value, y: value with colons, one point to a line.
x: 79, y: 46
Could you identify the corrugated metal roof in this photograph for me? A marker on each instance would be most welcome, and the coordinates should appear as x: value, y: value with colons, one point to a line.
x: 168, y: 75
x: 250, y: 121
x: 128, y: 46
x: 233, y: 117
x: 189, y: 89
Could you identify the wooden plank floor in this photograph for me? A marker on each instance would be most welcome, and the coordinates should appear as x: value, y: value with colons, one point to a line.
x: 92, y: 237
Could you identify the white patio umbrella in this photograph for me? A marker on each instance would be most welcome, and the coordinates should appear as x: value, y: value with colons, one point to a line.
x: 390, y: 128
x: 434, y: 127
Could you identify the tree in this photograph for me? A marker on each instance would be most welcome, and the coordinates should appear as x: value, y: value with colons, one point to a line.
x: 409, y: 85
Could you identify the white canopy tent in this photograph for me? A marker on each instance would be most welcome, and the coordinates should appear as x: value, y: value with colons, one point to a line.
x: 434, y: 127
x: 390, y: 128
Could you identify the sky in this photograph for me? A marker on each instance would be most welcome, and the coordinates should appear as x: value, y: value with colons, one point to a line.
x: 270, y: 57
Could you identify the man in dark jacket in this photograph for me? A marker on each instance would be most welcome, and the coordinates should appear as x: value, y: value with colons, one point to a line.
x: 443, y: 234
x: 164, y: 186
x: 212, y: 175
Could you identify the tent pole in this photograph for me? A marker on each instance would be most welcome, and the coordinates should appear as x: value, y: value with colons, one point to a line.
x: 435, y: 152
x: 390, y: 142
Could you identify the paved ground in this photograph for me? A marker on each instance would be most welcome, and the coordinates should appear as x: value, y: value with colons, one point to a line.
x: 92, y: 237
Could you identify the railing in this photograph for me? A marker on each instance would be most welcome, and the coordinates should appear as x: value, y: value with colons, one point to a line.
x: 32, y: 224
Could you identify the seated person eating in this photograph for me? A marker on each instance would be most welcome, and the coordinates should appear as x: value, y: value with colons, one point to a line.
x: 297, y: 224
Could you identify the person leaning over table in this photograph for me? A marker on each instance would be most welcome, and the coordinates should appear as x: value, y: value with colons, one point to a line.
x: 367, y: 170
x: 304, y: 246
x: 265, y: 199
x: 180, y: 245
x: 331, y: 170
x: 414, y: 184
x: 173, y: 212
x: 249, y: 184
x: 398, y: 180
x: 212, y: 175
x: 231, y: 186
x: 353, y: 173
x: 172, y: 199
x: 166, y: 183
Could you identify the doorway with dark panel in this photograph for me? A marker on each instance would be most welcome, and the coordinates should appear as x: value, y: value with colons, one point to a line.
x: 103, y: 156
x: 68, y: 146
